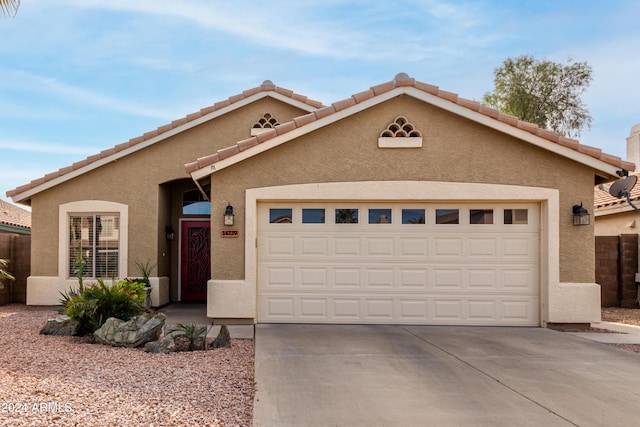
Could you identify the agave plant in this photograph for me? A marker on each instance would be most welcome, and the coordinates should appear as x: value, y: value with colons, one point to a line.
x: 192, y: 333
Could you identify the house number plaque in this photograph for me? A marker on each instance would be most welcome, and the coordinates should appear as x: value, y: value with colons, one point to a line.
x: 229, y: 233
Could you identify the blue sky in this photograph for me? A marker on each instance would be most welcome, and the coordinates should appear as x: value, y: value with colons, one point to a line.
x: 80, y: 76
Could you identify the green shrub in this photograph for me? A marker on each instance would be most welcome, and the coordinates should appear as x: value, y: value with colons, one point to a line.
x: 91, y: 305
x: 4, y: 274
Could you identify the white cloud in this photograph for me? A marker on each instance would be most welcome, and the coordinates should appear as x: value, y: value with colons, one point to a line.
x: 354, y: 30
x: 87, y: 98
x: 46, y: 148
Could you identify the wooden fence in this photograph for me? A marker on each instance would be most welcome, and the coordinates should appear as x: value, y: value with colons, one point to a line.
x: 616, y: 267
x: 17, y: 249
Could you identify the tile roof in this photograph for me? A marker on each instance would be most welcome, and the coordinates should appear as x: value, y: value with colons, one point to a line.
x: 266, y: 86
x: 602, y: 198
x: 403, y: 80
x: 14, y: 216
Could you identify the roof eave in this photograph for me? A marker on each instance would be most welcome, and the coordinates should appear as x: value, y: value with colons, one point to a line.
x: 23, y: 197
x: 620, y: 207
x: 14, y: 229
x: 601, y: 168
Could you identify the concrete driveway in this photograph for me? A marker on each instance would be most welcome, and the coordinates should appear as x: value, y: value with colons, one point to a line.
x: 340, y: 375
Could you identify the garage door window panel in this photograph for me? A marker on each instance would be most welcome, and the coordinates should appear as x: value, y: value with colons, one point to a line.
x: 313, y: 216
x: 516, y: 216
x: 413, y: 216
x: 346, y: 216
x: 447, y: 216
x: 280, y: 216
x: 481, y: 216
x: 379, y: 216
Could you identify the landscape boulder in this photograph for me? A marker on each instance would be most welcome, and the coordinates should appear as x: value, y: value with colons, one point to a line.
x: 61, y: 325
x: 133, y: 333
x: 223, y: 339
x: 165, y: 345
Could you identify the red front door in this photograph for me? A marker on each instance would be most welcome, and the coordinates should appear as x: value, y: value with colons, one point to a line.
x: 195, y: 255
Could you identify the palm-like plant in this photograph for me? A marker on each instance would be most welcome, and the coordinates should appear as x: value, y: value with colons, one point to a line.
x: 4, y: 263
x: 9, y: 7
x: 192, y: 333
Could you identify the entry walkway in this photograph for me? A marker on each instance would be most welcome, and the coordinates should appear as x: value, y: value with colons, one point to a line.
x: 196, y: 313
x: 379, y: 375
x: 623, y: 334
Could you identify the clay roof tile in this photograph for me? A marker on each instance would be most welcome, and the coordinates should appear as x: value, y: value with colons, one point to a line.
x: 467, y: 103
x: 266, y: 135
x: 491, y: 112
x: 363, y: 96
x: 508, y: 119
x: 345, y: 103
x: 285, y: 127
x: 235, y: 98
x: 191, y: 167
x: 303, y: 120
x: 285, y: 92
x: 450, y: 96
x: 589, y: 151
x: 425, y: 87
x: 249, y: 92
x: 529, y: 127
x: 382, y: 88
x: 208, y: 160
x: 228, y: 152
x: 194, y: 116
x: 207, y: 110
x: 568, y: 142
x: 248, y: 143
x: 323, y: 112
x: 164, y: 128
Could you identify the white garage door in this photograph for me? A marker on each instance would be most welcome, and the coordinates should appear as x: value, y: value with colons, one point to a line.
x: 453, y: 264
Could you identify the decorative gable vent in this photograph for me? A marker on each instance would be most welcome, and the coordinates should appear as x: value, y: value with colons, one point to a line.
x: 400, y: 134
x: 265, y: 122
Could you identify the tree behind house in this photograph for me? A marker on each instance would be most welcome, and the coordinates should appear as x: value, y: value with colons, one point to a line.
x: 543, y: 92
x: 9, y: 7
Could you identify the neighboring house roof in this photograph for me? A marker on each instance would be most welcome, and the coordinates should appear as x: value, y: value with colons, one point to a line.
x: 266, y: 89
x: 605, y: 204
x: 606, y: 164
x: 14, y: 219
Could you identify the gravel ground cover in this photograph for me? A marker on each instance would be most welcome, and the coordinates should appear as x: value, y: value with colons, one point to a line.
x: 46, y: 380
x: 65, y: 381
x: 629, y: 316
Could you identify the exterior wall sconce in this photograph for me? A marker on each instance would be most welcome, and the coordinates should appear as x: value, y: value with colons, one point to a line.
x: 228, y: 215
x: 169, y: 232
x: 581, y: 216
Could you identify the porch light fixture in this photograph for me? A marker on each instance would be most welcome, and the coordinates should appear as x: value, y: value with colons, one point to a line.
x: 228, y: 215
x: 581, y: 216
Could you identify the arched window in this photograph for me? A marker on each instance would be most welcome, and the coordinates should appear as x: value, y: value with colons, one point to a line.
x: 193, y: 203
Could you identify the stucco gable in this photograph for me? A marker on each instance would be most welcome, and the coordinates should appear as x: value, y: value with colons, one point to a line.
x: 266, y: 89
x: 603, y: 164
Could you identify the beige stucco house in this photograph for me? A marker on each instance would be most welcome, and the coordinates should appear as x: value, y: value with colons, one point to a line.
x: 403, y: 203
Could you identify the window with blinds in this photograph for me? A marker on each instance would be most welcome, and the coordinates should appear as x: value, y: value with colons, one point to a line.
x: 94, y: 239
